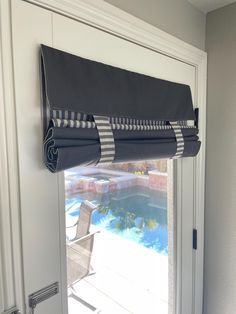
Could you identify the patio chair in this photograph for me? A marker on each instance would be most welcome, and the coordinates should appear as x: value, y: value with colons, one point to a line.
x: 79, y: 251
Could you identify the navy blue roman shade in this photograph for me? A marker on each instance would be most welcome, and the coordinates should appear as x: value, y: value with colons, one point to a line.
x: 94, y: 113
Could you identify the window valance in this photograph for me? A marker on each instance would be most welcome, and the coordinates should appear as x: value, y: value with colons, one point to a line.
x: 94, y: 112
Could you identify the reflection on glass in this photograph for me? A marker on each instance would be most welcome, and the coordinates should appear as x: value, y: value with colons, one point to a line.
x: 117, y: 238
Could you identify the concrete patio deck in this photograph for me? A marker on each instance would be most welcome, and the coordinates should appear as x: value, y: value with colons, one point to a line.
x: 129, y: 278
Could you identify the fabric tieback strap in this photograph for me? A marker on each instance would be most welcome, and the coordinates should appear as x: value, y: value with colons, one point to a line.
x: 107, y: 144
x: 179, y: 139
x: 106, y: 138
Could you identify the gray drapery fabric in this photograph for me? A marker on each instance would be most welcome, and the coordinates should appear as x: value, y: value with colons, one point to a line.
x: 95, y: 112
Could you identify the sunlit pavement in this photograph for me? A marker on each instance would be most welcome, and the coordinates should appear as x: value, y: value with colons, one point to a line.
x: 129, y: 278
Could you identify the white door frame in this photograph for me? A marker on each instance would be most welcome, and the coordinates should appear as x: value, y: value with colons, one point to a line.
x: 11, y: 266
x: 113, y: 20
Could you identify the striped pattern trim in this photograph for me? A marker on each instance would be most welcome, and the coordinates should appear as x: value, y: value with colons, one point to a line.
x: 70, y: 116
x: 63, y: 123
x: 137, y: 122
x: 106, y: 139
x: 179, y: 139
x: 127, y: 127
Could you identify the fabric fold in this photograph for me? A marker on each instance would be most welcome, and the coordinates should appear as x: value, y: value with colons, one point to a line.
x: 82, y: 146
x: 95, y: 112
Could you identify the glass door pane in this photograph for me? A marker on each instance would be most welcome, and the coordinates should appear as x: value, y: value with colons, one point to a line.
x: 118, y: 255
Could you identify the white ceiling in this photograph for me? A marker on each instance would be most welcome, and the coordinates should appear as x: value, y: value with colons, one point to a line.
x: 209, y: 5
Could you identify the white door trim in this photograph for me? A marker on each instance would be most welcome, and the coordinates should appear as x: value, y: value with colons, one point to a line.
x: 10, y: 226
x: 106, y: 17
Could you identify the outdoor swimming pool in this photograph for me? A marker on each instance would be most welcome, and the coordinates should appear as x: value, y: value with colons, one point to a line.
x: 137, y: 214
x: 102, y: 176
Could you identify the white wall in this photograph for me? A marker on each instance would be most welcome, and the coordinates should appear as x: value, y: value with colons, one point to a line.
x: 220, y: 212
x: 176, y: 17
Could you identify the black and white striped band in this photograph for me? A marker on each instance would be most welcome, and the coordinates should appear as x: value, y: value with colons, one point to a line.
x: 65, y: 118
x: 179, y: 139
x: 106, y: 139
x: 63, y: 123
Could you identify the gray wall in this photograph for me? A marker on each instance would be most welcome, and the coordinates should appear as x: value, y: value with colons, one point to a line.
x: 220, y: 213
x: 176, y: 17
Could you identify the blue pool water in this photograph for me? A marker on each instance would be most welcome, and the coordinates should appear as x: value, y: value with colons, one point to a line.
x: 138, y: 214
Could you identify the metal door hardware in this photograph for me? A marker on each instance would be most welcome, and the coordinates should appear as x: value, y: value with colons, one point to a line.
x: 42, y: 295
x: 12, y: 310
x: 196, y: 111
x: 195, y: 239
